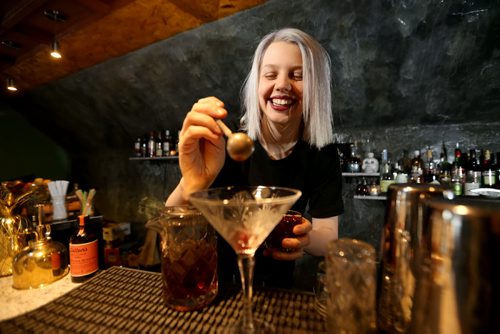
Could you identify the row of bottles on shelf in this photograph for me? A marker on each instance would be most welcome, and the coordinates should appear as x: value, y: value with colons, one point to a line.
x: 156, y: 144
x: 470, y: 169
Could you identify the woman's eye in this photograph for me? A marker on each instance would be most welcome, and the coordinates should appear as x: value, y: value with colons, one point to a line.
x: 297, y: 75
x: 270, y: 76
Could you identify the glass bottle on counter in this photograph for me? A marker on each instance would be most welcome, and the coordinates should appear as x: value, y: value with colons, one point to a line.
x: 83, y: 252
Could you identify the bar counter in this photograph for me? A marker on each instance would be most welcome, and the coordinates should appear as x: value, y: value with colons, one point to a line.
x: 129, y: 300
x: 15, y: 302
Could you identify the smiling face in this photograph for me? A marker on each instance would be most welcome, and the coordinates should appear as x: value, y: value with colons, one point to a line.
x: 280, y: 83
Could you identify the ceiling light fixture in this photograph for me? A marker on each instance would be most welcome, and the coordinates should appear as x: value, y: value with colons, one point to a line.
x: 55, y: 51
x: 54, y: 15
x: 11, y: 44
x: 11, y: 86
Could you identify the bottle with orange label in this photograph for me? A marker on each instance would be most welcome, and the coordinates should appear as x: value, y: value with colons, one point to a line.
x: 83, y: 253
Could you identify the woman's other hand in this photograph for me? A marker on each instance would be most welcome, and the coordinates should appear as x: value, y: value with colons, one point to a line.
x: 294, y: 246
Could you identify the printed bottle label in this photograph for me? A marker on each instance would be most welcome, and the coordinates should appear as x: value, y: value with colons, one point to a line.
x: 83, y: 258
x: 488, y: 178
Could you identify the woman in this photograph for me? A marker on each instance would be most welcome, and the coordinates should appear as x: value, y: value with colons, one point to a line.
x: 287, y: 112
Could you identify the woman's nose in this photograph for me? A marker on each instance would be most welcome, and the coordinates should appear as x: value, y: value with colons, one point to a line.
x: 283, y: 83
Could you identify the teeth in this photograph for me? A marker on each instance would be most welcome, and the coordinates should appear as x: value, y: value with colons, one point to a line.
x: 282, y: 102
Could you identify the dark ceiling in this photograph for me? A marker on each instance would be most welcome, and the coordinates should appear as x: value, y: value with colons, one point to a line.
x: 92, y: 31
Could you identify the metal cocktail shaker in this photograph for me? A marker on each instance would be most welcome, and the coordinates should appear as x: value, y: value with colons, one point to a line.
x: 401, y: 239
x: 458, y: 282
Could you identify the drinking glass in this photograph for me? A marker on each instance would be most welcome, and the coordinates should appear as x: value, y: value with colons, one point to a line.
x: 351, y: 284
x: 283, y: 230
x: 244, y: 217
x: 188, y: 245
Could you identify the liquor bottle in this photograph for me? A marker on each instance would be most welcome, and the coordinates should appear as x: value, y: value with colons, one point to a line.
x: 473, y: 173
x: 487, y: 170
x: 431, y: 174
x: 354, y: 162
x: 417, y: 168
x: 370, y: 164
x: 137, y: 147
x: 458, y: 173
x: 144, y: 147
x: 177, y: 142
x: 111, y: 255
x: 151, y: 144
x: 83, y: 252
x: 158, y: 145
x: 362, y: 188
x: 386, y: 174
x: 167, y: 143
x: 497, y: 170
x: 444, y: 167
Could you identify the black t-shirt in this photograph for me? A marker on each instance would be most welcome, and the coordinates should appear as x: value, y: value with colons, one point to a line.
x: 315, y: 172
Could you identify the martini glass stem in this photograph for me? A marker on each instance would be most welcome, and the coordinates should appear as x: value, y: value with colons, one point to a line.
x: 246, y: 265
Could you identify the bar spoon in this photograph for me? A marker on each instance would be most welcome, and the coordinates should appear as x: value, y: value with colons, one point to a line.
x: 239, y: 146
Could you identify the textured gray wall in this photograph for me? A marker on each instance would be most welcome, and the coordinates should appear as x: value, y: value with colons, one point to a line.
x: 406, y: 74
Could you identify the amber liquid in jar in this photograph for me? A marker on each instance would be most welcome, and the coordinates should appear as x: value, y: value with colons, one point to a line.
x: 190, y: 275
x: 83, y: 253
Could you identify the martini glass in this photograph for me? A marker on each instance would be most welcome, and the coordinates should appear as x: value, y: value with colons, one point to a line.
x: 244, y: 217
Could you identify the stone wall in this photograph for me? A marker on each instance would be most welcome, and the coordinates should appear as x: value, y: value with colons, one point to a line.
x: 406, y: 74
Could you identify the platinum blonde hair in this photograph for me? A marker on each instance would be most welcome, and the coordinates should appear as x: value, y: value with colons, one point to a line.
x: 317, y: 97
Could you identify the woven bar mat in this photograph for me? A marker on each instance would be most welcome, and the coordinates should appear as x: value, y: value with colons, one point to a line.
x: 121, y: 300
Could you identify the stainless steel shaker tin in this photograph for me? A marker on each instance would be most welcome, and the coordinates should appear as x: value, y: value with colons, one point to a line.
x: 400, y: 242
x: 458, y: 281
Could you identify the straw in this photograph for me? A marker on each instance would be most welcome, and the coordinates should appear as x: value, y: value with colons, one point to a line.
x: 85, y: 200
x: 58, y: 188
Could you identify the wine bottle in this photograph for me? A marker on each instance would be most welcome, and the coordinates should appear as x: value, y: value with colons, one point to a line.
x: 458, y: 173
x: 473, y: 173
x: 487, y: 170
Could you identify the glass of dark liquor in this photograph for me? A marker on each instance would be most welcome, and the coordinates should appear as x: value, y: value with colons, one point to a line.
x: 283, y: 230
x: 188, y: 248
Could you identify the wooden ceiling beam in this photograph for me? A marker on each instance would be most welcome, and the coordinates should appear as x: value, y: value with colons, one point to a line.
x: 204, y: 10
x: 34, y: 34
x: 18, y: 12
x: 96, y: 6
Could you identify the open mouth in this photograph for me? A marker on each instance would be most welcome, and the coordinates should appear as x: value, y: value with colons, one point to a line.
x: 281, y: 102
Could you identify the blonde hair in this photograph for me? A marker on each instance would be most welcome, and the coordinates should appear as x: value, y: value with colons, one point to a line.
x: 317, y: 107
